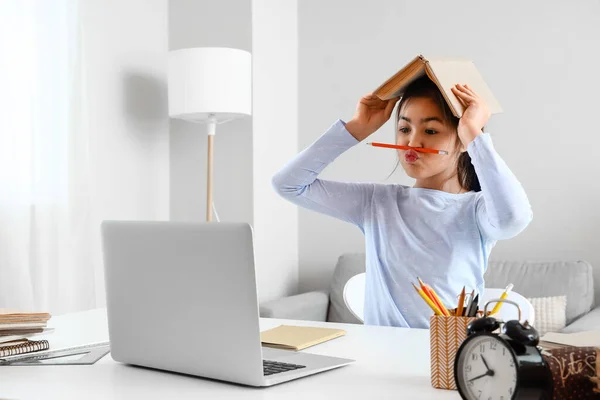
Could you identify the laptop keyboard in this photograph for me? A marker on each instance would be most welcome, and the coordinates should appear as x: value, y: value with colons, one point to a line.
x: 273, y: 367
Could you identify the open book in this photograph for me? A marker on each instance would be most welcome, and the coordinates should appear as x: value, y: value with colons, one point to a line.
x: 289, y: 337
x: 445, y: 72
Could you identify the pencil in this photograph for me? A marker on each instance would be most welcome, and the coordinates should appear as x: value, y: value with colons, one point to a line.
x: 418, y: 149
x: 461, y: 302
x: 427, y: 300
x: 427, y: 290
x: 438, y: 301
x: 503, y: 296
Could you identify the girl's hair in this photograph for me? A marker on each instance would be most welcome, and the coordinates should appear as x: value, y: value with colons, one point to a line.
x: 424, y: 87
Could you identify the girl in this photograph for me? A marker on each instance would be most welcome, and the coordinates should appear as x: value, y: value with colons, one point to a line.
x: 444, y: 227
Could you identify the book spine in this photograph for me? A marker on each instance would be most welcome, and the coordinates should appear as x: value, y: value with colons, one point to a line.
x: 23, y: 348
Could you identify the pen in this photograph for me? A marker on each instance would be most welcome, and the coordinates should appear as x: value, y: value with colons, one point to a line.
x: 397, y: 146
x: 427, y: 300
x: 474, y: 306
x: 503, y: 296
x: 467, y: 310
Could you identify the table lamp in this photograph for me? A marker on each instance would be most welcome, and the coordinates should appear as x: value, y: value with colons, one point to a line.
x: 209, y: 85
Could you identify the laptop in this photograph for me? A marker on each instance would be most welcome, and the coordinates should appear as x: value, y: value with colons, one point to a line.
x: 182, y: 297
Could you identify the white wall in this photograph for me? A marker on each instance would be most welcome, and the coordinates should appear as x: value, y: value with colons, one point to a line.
x: 243, y: 163
x: 204, y: 23
x: 538, y: 57
x: 275, y: 109
x: 125, y: 48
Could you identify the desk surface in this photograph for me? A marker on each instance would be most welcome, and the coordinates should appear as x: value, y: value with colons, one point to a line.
x: 390, y: 363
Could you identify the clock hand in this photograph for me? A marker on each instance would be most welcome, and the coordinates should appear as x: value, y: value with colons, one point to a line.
x: 482, y: 375
x: 485, y: 363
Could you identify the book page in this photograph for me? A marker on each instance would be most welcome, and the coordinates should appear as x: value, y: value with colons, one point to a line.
x: 579, y: 339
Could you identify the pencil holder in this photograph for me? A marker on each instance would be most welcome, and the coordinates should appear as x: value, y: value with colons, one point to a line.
x: 446, y: 334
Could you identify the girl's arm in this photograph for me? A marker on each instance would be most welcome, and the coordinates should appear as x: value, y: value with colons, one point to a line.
x: 503, y: 210
x: 297, y: 181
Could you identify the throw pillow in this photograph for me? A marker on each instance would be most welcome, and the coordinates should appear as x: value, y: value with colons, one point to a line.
x: 550, y: 313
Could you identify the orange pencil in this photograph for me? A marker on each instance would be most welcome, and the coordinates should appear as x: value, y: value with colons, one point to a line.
x: 418, y: 149
x: 429, y: 302
x: 438, y: 301
x: 432, y: 297
x: 461, y: 302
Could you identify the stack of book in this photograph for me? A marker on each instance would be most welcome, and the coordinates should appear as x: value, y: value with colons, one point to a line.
x: 16, y: 327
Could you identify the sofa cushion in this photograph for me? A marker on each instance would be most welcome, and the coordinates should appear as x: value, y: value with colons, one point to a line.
x: 545, y: 279
x: 550, y: 313
x: 589, y: 322
x: 347, y: 266
x: 310, y: 306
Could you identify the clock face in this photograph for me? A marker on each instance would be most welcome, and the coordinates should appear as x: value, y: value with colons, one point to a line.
x: 486, y: 369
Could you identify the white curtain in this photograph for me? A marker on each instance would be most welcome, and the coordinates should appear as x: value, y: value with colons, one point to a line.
x: 45, y: 207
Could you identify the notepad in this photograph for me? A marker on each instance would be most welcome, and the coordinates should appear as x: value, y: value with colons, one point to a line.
x: 578, y: 339
x: 16, y: 322
x: 296, y: 338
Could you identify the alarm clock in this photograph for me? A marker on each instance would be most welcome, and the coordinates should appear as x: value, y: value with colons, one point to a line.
x: 501, y: 366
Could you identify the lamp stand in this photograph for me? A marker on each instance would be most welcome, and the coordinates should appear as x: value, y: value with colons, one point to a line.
x: 212, y: 127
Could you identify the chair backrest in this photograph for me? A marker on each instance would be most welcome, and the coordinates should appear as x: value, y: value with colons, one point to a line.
x: 348, y: 265
x: 354, y: 296
x: 508, y: 311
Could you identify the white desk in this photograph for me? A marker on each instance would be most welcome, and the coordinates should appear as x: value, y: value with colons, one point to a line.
x: 391, y: 363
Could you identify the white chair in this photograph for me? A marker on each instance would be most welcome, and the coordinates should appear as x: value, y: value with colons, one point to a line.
x: 508, y: 311
x: 354, y: 296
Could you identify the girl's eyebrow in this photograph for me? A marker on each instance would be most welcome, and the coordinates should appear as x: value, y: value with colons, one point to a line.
x: 423, y: 120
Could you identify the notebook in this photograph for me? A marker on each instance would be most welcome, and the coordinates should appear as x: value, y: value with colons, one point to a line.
x: 445, y: 72
x: 9, y: 338
x: 288, y: 337
x: 12, y: 315
x: 17, y: 322
x: 22, y: 346
x: 578, y: 339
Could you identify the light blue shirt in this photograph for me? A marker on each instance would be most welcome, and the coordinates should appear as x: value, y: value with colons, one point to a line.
x: 443, y: 238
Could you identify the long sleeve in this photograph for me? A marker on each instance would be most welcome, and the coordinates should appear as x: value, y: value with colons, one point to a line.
x: 503, y: 211
x: 297, y: 181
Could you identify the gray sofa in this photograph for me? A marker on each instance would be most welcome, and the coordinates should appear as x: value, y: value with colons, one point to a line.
x: 575, y: 279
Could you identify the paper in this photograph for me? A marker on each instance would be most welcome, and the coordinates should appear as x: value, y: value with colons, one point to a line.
x: 10, y: 312
x: 298, y: 337
x: 7, y: 338
x: 579, y: 339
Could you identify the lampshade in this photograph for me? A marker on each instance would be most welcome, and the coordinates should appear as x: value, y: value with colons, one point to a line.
x: 209, y: 80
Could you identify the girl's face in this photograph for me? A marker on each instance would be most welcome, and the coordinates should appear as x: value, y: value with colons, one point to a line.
x: 420, y: 124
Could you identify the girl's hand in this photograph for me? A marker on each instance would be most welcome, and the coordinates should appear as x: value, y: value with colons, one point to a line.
x: 475, y: 116
x: 371, y: 113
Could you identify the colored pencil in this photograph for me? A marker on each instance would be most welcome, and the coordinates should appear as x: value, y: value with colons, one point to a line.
x: 428, y: 300
x: 503, y: 296
x: 400, y: 147
x: 438, y: 301
x: 461, y: 302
